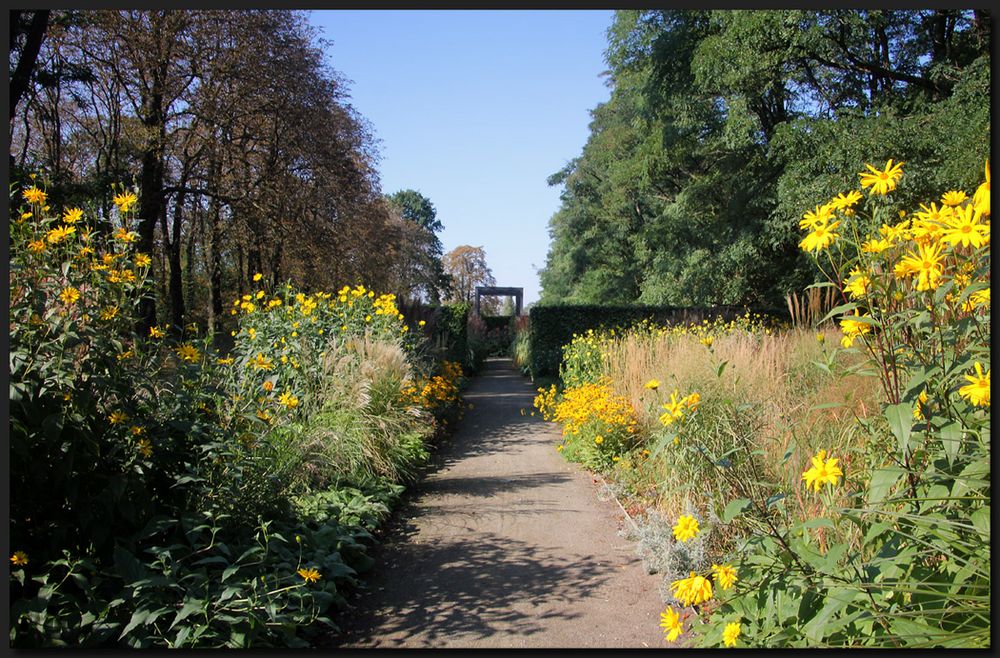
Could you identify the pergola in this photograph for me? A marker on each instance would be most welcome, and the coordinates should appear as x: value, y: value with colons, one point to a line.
x: 516, y: 293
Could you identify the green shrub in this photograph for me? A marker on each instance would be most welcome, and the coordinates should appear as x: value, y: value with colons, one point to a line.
x: 552, y: 327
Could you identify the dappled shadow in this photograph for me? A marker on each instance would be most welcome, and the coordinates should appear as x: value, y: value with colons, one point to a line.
x: 473, y: 589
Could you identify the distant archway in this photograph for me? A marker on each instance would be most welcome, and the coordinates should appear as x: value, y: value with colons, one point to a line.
x: 516, y: 293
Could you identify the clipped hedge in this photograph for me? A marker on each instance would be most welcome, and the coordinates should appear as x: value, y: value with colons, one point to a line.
x: 551, y: 327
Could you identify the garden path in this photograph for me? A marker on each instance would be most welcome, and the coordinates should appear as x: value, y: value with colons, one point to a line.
x: 505, y: 545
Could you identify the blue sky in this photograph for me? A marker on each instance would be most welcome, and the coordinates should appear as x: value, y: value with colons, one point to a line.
x: 475, y: 109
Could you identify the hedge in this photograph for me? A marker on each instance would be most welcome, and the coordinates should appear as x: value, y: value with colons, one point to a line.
x: 551, y: 327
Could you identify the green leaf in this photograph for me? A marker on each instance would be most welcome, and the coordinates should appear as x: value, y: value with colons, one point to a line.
x: 837, y: 310
x: 734, y: 508
x: 882, y: 482
x: 190, y: 607
x: 138, y: 617
x: 981, y: 522
x: 900, y: 417
x: 951, y: 440
x: 836, y: 601
x: 721, y: 368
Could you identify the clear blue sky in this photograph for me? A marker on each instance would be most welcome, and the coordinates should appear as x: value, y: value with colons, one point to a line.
x: 475, y: 109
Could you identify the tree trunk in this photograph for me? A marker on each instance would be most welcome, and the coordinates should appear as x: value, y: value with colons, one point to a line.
x: 21, y: 77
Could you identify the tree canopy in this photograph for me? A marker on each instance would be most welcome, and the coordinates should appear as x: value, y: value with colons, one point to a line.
x: 724, y: 126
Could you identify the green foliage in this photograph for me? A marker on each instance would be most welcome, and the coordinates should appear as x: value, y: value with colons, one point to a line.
x: 553, y: 327
x: 723, y: 125
x: 163, y: 495
x: 896, y: 558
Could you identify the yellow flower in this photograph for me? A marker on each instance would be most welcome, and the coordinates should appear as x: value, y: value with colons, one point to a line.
x: 842, y: 200
x: 34, y: 195
x: 963, y: 229
x: 73, y: 215
x: 981, y: 199
x: 258, y: 276
x: 978, y: 390
x: 953, y: 197
x: 823, y: 471
x: 692, y: 590
x: 918, y: 409
x: 125, y: 236
x: 109, y: 313
x: 268, y: 386
x: 57, y: 235
x: 686, y: 528
x: 288, y: 400
x: 653, y: 384
x: 188, y: 352
x: 309, y: 575
x: 156, y: 332
x: 421, y: 323
x: 117, y: 417
x: 875, y: 246
x: 225, y: 362
x: 692, y: 401
x: 145, y: 447
x: 36, y: 246
x: 670, y: 622
x: 70, y: 295
x: 725, y: 575
x: 730, y: 633
x: 882, y: 182
x: 818, y: 217
x: 822, y: 237
x: 142, y: 260
x: 19, y: 558
x: 925, y: 263
x: 707, y: 341
x: 858, y: 283
x: 261, y: 362
x: 674, y: 410
x: 599, y: 440
x: 125, y: 201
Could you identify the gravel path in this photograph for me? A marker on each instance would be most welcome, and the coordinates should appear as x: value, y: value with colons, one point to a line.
x: 505, y: 544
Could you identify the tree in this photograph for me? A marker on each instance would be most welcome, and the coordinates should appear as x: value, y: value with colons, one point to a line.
x: 723, y: 126
x: 422, y: 274
x: 466, y: 265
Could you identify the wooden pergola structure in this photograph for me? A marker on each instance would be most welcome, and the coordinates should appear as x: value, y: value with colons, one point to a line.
x: 516, y: 293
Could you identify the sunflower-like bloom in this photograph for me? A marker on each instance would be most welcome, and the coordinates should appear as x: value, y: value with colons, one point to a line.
x: 34, y: 195
x: 188, y: 352
x: 730, y: 633
x: 686, y: 528
x: 823, y: 471
x: 842, y: 201
x: 670, y: 622
x: 73, y: 215
x: 875, y: 246
x: 926, y: 263
x: 821, y: 215
x: 981, y: 199
x: 821, y: 237
x: 977, y: 391
x: 858, y: 283
x: 882, y: 182
x: 675, y: 410
x: 692, y: 590
x: 953, y: 197
x: 964, y: 229
x: 125, y: 201
x: 853, y: 328
x: 725, y: 575
x: 310, y: 575
x: 652, y: 384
